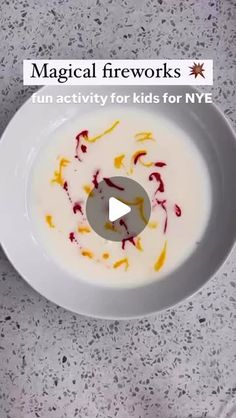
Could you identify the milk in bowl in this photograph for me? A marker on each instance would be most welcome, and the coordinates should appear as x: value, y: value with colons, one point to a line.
x: 137, y: 144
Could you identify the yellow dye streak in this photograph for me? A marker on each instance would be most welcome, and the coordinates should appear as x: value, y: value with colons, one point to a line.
x: 139, y: 244
x: 144, y: 136
x: 84, y: 229
x: 119, y: 263
x: 48, y: 219
x: 148, y: 164
x: 118, y: 161
x: 110, y: 227
x: 105, y: 256
x: 87, y: 253
x: 140, y: 160
x: 87, y: 188
x: 141, y: 211
x: 139, y: 201
x: 152, y: 225
x: 161, y: 259
x: 58, y: 173
x: 135, y: 202
x: 140, y: 151
x: 107, y: 131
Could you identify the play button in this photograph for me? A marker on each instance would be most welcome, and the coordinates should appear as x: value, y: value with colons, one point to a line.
x: 118, y: 208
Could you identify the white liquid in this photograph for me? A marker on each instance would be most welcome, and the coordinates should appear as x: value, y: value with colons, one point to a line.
x: 186, y: 184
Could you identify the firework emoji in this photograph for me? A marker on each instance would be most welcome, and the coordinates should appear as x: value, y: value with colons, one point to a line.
x: 197, y: 69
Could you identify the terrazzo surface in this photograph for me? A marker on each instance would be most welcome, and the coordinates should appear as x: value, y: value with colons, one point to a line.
x: 179, y: 363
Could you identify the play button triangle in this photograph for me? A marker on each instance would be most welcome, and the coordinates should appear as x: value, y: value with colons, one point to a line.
x: 106, y: 206
x: 117, y: 209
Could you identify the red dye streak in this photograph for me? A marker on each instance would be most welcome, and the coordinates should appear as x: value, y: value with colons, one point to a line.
x: 158, y: 178
x: 124, y: 224
x: 77, y: 208
x: 178, y: 211
x: 160, y: 164
x: 165, y: 224
x: 95, y: 179
x: 72, y: 236
x: 125, y: 240
x: 82, y: 134
x: 111, y: 184
x: 141, y: 154
x: 83, y: 148
x: 162, y: 203
x: 65, y: 187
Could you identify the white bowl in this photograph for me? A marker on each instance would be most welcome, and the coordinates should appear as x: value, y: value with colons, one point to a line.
x: 19, y: 145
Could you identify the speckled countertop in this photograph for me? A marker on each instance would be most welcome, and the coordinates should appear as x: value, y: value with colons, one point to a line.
x: 179, y: 363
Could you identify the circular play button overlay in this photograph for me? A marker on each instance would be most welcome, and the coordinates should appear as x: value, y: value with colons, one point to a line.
x: 118, y: 208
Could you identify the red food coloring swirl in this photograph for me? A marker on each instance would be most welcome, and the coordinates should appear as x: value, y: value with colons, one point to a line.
x: 125, y: 240
x: 110, y: 183
x: 65, y: 187
x: 77, y: 208
x: 83, y: 134
x: 160, y: 164
x: 162, y: 203
x: 178, y: 211
x: 73, y: 239
x: 124, y: 224
x: 95, y: 179
x: 79, y: 136
x: 72, y: 236
x: 139, y: 155
x: 83, y: 148
x: 157, y: 177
